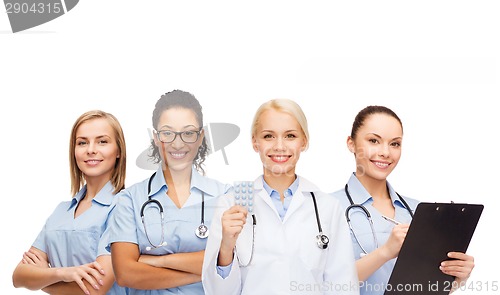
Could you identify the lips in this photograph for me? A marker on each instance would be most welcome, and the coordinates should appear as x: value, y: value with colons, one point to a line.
x: 279, y: 158
x: 381, y: 165
x: 93, y: 162
x: 178, y: 155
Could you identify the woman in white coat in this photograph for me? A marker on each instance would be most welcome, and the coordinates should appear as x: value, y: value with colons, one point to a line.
x: 291, y: 237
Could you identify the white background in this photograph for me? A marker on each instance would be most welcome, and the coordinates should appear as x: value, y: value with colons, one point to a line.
x: 435, y: 63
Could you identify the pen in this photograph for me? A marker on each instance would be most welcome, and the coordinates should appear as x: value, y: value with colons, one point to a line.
x: 391, y: 220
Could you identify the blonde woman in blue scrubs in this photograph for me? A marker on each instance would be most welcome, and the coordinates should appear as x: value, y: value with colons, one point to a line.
x: 164, y: 255
x: 69, y: 255
x: 376, y: 141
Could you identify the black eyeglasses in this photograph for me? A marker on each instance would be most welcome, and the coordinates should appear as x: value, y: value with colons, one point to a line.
x: 188, y: 136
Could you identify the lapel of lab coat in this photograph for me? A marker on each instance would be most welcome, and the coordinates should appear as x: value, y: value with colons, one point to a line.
x: 303, y: 194
x: 259, y: 186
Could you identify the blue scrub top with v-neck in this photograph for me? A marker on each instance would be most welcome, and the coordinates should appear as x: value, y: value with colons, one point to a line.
x: 179, y: 224
x: 70, y: 241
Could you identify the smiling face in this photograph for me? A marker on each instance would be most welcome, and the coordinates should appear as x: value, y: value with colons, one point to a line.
x: 178, y: 155
x: 279, y: 140
x: 377, y: 146
x: 96, y: 149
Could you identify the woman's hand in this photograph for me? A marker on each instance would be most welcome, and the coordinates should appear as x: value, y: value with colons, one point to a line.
x: 460, y: 266
x: 233, y: 221
x: 90, y: 272
x: 31, y: 257
x: 393, y: 245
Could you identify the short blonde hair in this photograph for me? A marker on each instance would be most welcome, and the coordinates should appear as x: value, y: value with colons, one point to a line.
x: 286, y: 106
x: 118, y: 177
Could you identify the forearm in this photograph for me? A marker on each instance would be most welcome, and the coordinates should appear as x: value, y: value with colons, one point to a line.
x: 225, y: 256
x: 370, y: 263
x: 33, y: 277
x: 62, y: 288
x: 190, y: 262
x: 138, y: 275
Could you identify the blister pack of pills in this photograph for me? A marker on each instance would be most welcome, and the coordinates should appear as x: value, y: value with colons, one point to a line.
x: 243, y: 194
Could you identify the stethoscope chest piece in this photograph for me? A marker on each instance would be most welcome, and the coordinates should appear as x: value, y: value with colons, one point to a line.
x: 202, y: 231
x: 322, y: 241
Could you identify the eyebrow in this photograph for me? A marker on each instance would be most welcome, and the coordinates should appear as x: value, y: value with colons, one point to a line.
x: 98, y: 137
x: 170, y: 127
x: 376, y: 135
x: 273, y: 131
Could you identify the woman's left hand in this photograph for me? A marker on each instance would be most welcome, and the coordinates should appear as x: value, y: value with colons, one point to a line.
x: 33, y: 258
x: 460, y: 266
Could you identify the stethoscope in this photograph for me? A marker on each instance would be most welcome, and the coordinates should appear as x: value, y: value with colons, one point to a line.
x: 322, y: 240
x: 201, y: 231
x: 368, y: 216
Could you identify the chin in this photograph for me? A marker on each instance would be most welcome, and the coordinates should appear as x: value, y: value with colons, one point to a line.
x: 176, y: 166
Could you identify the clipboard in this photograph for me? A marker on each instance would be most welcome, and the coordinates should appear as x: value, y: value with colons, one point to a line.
x: 436, y: 229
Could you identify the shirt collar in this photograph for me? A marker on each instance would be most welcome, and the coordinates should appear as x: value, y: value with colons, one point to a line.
x: 103, y: 197
x: 291, y: 189
x: 304, y: 185
x: 198, y: 182
x: 360, y: 195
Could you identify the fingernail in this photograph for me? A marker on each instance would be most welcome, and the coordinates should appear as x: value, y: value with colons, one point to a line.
x: 101, y: 282
x: 96, y: 287
x: 87, y: 292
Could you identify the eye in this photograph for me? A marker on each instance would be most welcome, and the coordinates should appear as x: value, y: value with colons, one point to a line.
x: 290, y: 136
x: 102, y: 141
x: 268, y: 136
x: 166, y: 132
x: 81, y: 142
x: 373, y: 140
x: 188, y: 133
x: 396, y: 144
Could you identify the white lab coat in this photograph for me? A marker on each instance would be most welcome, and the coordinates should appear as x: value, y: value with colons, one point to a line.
x: 286, y: 258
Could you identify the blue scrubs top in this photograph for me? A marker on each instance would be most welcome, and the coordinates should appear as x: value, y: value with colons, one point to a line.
x: 70, y: 241
x: 179, y: 223
x: 377, y: 282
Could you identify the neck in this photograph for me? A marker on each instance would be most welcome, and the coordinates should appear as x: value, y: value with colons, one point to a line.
x: 279, y: 182
x: 94, y: 185
x: 178, y: 178
x: 376, y: 188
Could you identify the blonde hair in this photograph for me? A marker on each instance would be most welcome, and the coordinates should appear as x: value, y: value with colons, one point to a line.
x: 118, y: 177
x: 286, y: 106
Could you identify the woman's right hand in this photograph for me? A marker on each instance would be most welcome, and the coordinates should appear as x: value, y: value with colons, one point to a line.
x: 395, y: 241
x: 233, y: 221
x: 91, y: 272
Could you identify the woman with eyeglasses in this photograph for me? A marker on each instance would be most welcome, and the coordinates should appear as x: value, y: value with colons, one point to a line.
x: 376, y: 141
x: 160, y: 225
x: 279, y: 234
x: 69, y: 255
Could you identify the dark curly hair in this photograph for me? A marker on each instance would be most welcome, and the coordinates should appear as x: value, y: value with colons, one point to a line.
x: 182, y: 99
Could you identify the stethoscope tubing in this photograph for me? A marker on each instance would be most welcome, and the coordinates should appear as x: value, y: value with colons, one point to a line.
x: 322, y: 240
x: 368, y: 216
x: 201, y: 231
